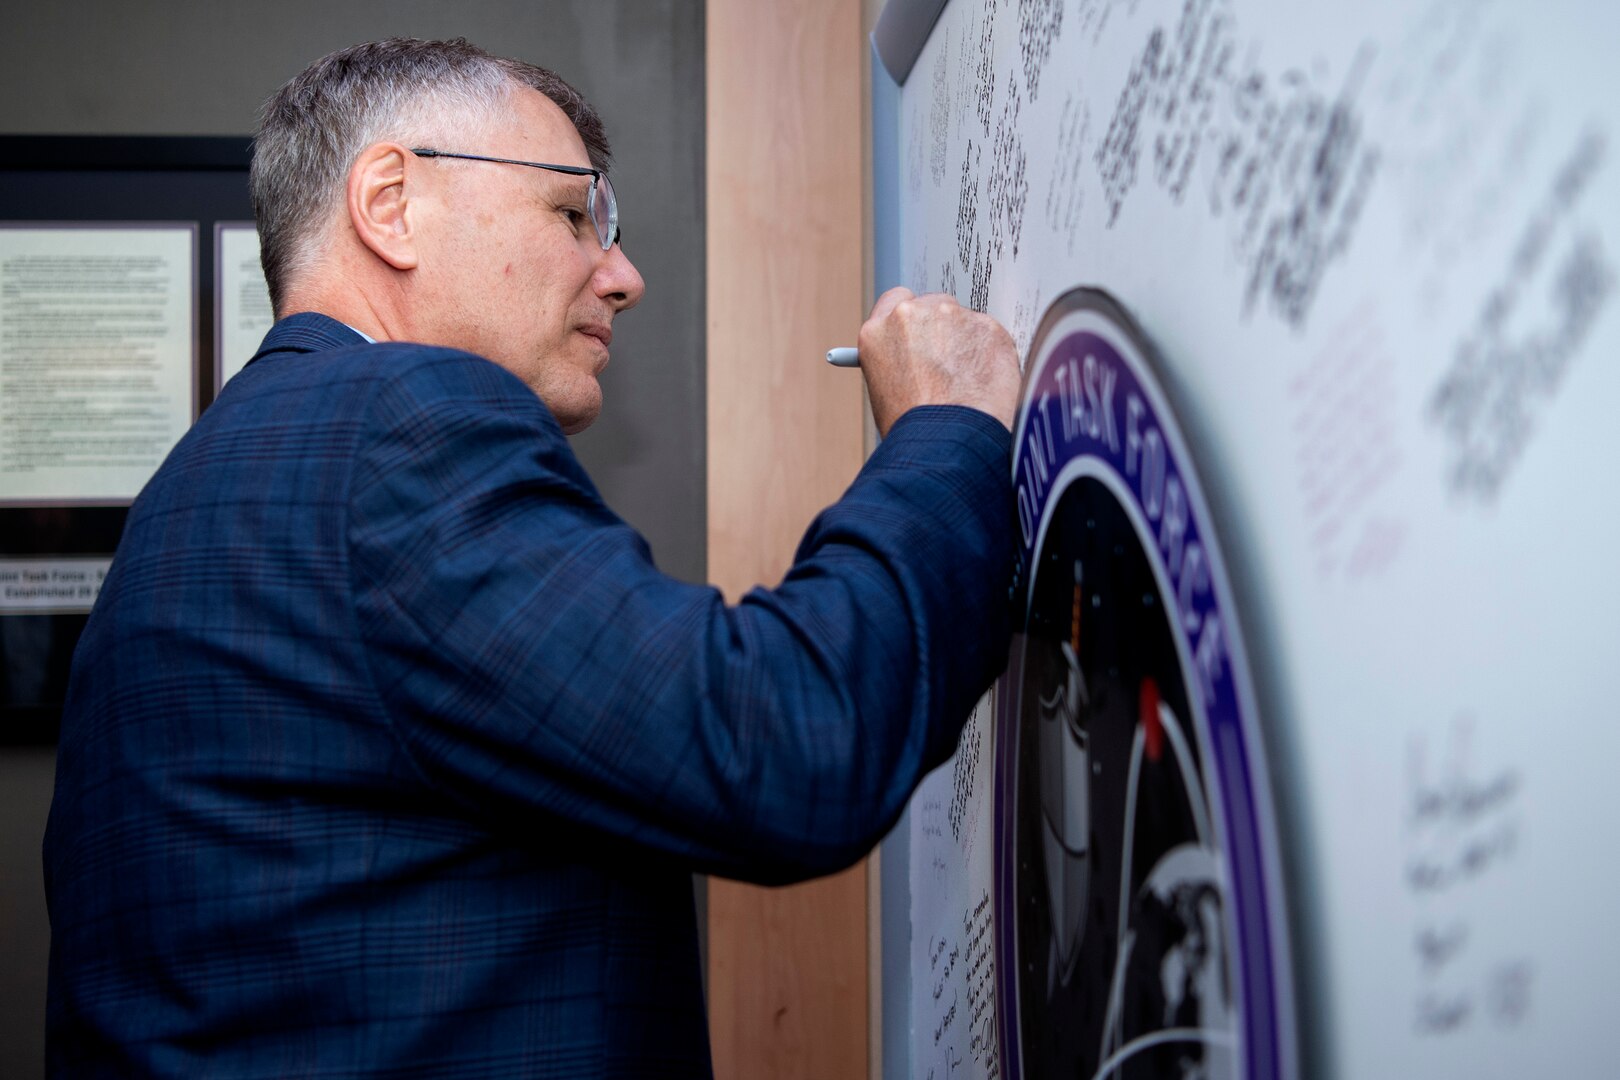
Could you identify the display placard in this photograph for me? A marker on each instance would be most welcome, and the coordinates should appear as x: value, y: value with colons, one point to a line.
x: 107, y: 354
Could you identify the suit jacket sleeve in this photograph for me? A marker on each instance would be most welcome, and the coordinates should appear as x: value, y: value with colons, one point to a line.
x: 538, y: 668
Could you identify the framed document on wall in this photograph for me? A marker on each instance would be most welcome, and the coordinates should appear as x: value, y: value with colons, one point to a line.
x: 110, y: 256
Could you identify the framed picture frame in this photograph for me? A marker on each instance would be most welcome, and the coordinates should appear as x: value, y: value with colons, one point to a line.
x: 98, y: 235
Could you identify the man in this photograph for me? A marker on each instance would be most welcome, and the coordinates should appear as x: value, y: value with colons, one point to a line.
x: 388, y: 751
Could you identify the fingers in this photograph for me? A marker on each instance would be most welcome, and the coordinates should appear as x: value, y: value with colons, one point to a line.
x: 889, y: 301
x: 899, y: 309
x: 928, y: 349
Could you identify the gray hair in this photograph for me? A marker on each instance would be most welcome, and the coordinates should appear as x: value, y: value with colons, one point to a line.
x: 312, y: 129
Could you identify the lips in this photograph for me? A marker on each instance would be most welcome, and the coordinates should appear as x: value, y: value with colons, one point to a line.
x: 599, y: 332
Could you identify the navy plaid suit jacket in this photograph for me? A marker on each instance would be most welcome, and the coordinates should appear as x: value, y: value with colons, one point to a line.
x: 389, y: 752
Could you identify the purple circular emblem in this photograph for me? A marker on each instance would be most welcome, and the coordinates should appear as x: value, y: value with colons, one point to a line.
x: 1140, y: 929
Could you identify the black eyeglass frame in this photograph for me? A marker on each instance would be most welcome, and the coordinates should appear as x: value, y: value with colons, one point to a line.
x: 607, y: 235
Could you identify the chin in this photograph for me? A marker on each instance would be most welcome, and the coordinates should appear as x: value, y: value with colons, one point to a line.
x: 573, y: 395
x: 578, y: 415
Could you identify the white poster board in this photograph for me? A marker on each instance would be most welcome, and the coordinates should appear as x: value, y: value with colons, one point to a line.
x: 1375, y: 247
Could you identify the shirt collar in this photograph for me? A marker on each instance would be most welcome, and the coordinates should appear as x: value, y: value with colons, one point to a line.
x: 309, y: 331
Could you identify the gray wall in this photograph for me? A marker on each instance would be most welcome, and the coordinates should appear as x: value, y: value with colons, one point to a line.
x: 189, y: 67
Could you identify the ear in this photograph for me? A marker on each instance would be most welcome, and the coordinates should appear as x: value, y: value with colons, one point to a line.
x: 379, y: 204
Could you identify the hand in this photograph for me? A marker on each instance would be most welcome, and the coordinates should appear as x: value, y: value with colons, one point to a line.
x: 929, y: 350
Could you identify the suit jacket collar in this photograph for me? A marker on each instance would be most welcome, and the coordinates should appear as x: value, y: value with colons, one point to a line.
x: 308, y: 331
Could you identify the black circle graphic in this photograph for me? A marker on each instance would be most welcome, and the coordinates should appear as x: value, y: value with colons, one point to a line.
x: 1111, y: 793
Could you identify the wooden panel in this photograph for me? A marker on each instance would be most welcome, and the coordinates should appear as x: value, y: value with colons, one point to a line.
x: 788, y: 990
x: 787, y: 978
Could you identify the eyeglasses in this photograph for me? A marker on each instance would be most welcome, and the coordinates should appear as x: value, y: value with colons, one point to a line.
x: 604, y: 211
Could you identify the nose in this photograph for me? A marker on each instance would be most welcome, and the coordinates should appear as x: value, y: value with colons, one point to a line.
x: 617, y: 280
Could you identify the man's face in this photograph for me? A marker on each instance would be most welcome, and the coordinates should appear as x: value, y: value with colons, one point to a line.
x: 515, y: 270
